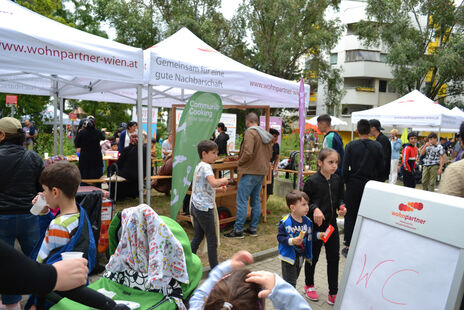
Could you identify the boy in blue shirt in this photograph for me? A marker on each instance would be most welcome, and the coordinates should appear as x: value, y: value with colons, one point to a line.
x: 295, y: 235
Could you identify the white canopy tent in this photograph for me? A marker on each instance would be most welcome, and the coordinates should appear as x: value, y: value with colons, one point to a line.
x: 335, y: 121
x: 413, y: 109
x: 39, y: 56
x: 182, y: 64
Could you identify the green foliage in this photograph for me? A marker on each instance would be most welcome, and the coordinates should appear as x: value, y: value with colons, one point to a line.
x: 44, y: 144
x: 285, y: 30
x: 423, y: 37
x: 28, y: 105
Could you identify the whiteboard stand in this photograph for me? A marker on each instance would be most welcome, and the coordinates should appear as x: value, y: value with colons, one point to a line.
x: 406, y: 252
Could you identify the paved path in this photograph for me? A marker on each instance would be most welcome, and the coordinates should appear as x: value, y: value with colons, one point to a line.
x: 273, y: 264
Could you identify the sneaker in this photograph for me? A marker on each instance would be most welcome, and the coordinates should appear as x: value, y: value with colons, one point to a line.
x: 250, y: 232
x: 234, y: 234
x: 331, y: 299
x: 345, y: 252
x: 310, y: 293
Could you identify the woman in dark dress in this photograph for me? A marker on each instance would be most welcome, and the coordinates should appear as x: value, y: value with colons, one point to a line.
x: 222, y: 139
x: 88, y: 140
x: 274, y: 160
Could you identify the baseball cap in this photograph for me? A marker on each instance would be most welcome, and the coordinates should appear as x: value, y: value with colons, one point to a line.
x: 375, y: 123
x: 9, y: 125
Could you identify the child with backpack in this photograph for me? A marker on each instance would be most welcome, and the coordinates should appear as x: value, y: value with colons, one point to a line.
x: 230, y: 286
x: 325, y: 191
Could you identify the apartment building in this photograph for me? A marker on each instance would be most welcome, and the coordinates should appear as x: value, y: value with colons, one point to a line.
x: 364, y: 70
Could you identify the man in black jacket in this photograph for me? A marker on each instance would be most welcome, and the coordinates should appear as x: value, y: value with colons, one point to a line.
x: 386, y: 146
x: 363, y: 162
x: 19, y: 184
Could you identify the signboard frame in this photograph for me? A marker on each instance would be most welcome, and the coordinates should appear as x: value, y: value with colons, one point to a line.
x: 431, y: 225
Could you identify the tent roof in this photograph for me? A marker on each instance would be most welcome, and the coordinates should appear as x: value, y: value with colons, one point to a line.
x: 35, y: 50
x: 413, y: 109
x: 183, y: 64
x: 335, y: 121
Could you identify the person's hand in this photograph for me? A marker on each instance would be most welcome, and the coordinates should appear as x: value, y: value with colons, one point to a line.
x: 318, y: 217
x: 297, y: 240
x: 222, y: 189
x: 224, y: 181
x: 264, y: 278
x: 440, y: 171
x: 240, y: 258
x: 70, y: 274
x: 342, y: 211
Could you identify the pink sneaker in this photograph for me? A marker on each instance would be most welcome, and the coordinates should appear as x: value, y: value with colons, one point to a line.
x: 331, y: 299
x: 311, y: 293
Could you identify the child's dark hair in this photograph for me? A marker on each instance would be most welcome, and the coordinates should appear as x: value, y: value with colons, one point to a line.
x: 412, y: 134
x: 363, y: 127
x: 114, y: 143
x: 62, y: 175
x: 294, y: 196
x: 111, y: 138
x: 324, y: 153
x: 206, y: 146
x: 274, y: 132
x: 432, y: 135
x: 461, y: 131
x: 235, y: 292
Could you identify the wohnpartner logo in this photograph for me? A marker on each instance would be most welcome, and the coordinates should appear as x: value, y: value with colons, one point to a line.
x: 410, y: 207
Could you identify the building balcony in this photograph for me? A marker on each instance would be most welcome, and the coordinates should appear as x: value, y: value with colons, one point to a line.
x: 371, y: 69
x: 354, y: 96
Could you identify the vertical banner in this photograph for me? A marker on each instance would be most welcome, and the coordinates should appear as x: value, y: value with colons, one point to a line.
x: 302, y: 116
x: 274, y: 122
x: 198, y: 121
x: 154, y: 118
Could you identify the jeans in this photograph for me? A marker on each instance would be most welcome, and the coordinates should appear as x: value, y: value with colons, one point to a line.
x: 393, y: 171
x: 332, y: 248
x: 25, y: 228
x: 291, y: 272
x: 203, y: 224
x: 248, y: 186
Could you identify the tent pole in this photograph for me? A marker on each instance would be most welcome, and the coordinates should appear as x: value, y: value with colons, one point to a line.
x: 351, y: 125
x: 55, y: 103
x: 149, y: 135
x: 61, y: 126
x: 140, y: 143
x: 439, y: 134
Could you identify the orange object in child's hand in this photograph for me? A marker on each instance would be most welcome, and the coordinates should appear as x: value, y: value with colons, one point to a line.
x: 302, y: 234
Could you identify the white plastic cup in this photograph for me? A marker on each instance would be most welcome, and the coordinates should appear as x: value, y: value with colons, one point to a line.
x: 39, y: 205
x: 46, y: 155
x: 71, y: 255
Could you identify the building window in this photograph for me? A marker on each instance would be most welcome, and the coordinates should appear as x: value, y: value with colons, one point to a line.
x: 350, y: 29
x: 382, y: 86
x: 333, y: 58
x: 383, y: 57
x: 361, y: 55
x: 356, y: 82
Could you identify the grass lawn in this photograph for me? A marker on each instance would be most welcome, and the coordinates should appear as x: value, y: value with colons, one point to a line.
x: 267, y: 232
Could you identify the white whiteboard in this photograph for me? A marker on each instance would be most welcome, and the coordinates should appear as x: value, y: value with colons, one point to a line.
x: 414, y: 272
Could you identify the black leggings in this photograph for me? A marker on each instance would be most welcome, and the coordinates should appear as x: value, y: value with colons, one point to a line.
x: 332, y: 248
x: 203, y: 224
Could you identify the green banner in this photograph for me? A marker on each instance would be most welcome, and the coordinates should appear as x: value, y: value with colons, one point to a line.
x: 198, y: 121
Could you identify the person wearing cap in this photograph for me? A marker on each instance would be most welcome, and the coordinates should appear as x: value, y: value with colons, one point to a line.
x: 19, y: 184
x: 395, y: 156
x: 386, y: 146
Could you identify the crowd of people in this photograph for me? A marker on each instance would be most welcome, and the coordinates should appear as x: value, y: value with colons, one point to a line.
x: 334, y: 190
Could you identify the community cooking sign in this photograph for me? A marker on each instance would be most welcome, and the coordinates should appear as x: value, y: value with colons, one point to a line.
x: 198, y: 121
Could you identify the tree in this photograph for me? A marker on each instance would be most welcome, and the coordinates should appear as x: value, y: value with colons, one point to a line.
x: 285, y: 31
x: 425, y: 43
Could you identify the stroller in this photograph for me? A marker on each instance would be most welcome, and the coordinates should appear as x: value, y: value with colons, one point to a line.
x: 152, y: 265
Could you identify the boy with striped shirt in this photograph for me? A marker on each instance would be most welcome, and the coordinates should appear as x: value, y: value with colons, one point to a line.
x: 60, y: 182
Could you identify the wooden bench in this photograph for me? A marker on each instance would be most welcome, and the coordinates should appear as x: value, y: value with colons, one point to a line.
x: 106, y: 179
